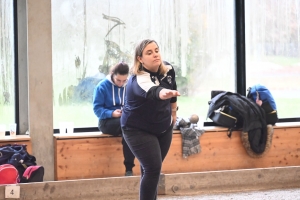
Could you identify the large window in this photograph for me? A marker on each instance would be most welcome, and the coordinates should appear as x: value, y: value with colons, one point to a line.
x: 7, y: 80
x: 196, y: 37
x: 273, y: 51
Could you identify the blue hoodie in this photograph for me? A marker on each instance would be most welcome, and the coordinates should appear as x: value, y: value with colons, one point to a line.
x: 107, y: 98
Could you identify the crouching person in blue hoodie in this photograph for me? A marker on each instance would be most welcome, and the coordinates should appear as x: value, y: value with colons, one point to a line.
x: 108, y: 99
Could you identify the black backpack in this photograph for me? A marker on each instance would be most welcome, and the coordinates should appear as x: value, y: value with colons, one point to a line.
x: 225, y: 116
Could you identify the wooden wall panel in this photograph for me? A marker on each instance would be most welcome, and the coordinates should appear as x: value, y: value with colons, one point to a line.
x: 90, y: 158
x: 102, y: 157
x: 218, y: 152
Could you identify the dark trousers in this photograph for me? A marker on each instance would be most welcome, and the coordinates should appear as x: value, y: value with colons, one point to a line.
x: 150, y: 150
x: 112, y: 126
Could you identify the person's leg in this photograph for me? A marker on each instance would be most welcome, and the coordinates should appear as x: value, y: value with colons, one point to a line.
x: 165, y: 140
x: 110, y: 126
x: 146, y: 148
x: 113, y: 127
x: 128, y: 158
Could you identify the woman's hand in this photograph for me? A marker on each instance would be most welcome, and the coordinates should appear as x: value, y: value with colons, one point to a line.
x: 167, y: 94
x: 117, y: 113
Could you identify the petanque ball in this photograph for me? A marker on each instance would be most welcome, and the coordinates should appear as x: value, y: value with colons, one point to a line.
x: 194, y: 119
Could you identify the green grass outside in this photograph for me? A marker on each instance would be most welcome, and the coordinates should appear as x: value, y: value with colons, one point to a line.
x: 286, y: 108
x: 83, y: 116
x: 7, y: 115
x: 282, y: 60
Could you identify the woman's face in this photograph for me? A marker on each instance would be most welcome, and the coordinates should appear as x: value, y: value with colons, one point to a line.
x: 151, y: 57
x: 120, y: 80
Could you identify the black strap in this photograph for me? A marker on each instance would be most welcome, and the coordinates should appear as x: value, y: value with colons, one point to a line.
x: 229, y: 132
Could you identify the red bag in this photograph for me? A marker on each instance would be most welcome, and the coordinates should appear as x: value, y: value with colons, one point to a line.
x: 8, y: 174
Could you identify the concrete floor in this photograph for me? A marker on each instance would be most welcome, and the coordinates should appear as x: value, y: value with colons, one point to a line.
x: 285, y: 194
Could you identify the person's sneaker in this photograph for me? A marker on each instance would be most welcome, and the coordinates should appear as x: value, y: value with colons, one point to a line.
x: 129, y: 173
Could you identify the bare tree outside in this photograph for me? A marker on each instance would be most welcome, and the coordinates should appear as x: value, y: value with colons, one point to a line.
x: 273, y: 51
x: 196, y: 37
x: 7, y: 96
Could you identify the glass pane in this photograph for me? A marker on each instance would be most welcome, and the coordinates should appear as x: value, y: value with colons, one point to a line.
x: 273, y: 51
x: 7, y: 83
x: 197, y: 37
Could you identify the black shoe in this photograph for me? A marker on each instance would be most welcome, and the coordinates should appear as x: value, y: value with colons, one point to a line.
x: 129, y: 173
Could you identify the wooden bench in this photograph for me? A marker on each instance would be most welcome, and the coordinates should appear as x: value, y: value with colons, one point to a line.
x: 19, y: 139
x: 96, y: 155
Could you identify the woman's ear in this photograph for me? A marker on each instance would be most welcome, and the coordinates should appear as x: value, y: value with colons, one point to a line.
x: 140, y: 59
